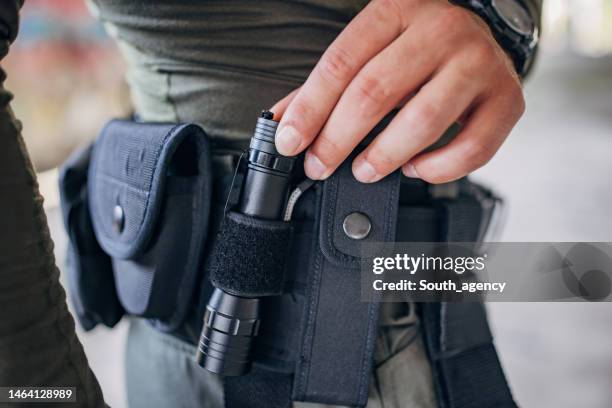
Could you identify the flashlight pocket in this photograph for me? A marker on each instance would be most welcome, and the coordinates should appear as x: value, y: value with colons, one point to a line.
x: 149, y: 198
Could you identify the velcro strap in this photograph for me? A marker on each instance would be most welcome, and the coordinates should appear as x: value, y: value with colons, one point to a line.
x: 249, y: 256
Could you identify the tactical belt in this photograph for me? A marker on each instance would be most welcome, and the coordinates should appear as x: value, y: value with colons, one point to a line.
x: 142, y: 218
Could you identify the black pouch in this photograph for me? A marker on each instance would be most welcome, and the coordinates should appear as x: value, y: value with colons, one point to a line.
x: 148, y: 194
x: 150, y: 190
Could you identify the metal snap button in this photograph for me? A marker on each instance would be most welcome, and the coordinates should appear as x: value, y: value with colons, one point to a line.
x: 357, y: 225
x: 118, y: 218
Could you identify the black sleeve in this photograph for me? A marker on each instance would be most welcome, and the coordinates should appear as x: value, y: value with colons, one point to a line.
x: 9, y: 22
x: 38, y: 343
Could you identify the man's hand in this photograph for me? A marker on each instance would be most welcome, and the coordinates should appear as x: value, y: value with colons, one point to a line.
x: 440, y: 58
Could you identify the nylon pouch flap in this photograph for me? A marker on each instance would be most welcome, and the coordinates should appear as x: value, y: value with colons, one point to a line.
x: 129, y: 169
x: 343, y: 197
x: 150, y: 189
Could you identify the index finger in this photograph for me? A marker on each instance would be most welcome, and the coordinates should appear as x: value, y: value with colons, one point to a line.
x: 376, y: 26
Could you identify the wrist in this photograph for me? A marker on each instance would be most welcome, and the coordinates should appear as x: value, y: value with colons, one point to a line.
x: 514, y: 25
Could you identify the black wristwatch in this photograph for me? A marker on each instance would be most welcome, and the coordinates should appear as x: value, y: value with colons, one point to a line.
x: 512, y: 24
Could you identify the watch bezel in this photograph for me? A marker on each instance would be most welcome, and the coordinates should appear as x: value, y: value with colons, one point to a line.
x: 510, y: 24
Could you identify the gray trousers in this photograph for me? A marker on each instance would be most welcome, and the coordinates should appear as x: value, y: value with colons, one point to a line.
x: 161, y: 371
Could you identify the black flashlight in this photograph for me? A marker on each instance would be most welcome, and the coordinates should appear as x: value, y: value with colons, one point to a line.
x: 231, y: 322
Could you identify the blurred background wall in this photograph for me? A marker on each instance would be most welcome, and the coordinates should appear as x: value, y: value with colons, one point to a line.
x: 554, y: 172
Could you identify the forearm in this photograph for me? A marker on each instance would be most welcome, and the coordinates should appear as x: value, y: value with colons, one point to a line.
x: 38, y: 343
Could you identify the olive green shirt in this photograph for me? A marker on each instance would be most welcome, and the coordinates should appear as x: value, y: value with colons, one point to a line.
x: 219, y: 63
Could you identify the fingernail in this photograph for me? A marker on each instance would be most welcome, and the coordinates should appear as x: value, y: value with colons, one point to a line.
x: 315, y: 169
x: 288, y: 140
x: 364, y: 171
x: 410, y: 171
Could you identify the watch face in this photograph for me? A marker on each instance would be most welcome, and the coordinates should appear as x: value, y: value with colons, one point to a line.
x: 515, y: 15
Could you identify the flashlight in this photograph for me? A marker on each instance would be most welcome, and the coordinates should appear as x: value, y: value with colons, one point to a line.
x: 231, y: 322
